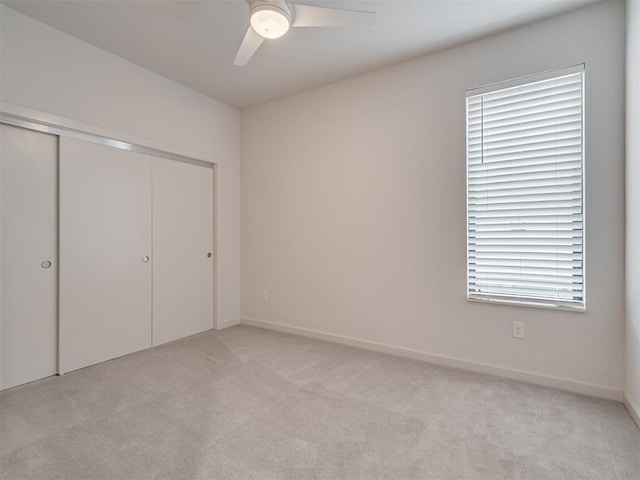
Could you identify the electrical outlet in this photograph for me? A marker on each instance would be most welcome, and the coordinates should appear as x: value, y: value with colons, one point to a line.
x: 265, y: 296
x: 517, y: 329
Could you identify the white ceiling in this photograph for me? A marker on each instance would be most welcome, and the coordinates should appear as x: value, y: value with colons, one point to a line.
x: 195, y: 42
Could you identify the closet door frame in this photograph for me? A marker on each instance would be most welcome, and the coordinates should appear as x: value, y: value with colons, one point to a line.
x: 39, y: 121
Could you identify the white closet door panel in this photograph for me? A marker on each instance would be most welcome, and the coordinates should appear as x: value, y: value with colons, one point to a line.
x: 182, y: 238
x: 28, y: 327
x: 105, y: 232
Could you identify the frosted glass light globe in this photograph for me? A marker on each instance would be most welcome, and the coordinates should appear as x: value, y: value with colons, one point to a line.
x: 269, y: 22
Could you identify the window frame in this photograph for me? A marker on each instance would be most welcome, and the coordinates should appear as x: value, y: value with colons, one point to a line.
x: 525, y: 301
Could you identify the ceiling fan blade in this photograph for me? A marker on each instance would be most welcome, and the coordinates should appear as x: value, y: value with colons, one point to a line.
x: 311, y: 16
x: 248, y: 47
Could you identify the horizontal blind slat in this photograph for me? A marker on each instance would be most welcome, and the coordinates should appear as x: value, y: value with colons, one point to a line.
x: 565, y: 120
x: 533, y: 88
x: 561, y: 277
x: 482, y: 201
x: 524, y: 108
x: 478, y: 124
x: 560, y: 287
x: 549, y: 90
x: 530, y: 112
x: 547, y: 151
x: 526, y: 164
x: 539, y: 178
x: 542, y: 190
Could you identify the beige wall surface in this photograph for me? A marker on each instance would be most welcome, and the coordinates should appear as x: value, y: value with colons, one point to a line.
x: 46, y: 70
x: 353, y: 206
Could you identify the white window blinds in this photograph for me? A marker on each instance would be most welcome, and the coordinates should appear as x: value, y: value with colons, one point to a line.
x: 525, y: 191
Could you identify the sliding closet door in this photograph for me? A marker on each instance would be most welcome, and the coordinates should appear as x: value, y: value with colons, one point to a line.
x: 28, y: 326
x: 182, y: 249
x: 105, y: 253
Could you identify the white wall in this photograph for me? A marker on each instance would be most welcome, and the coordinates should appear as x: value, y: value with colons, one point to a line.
x: 633, y: 206
x: 353, y: 207
x: 47, y: 70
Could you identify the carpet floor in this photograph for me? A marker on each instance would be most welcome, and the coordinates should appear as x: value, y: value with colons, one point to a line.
x: 248, y: 403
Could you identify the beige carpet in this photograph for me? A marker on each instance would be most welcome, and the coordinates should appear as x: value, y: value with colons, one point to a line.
x: 249, y: 403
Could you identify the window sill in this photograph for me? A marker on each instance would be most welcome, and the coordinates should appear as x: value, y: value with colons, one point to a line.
x: 527, y: 303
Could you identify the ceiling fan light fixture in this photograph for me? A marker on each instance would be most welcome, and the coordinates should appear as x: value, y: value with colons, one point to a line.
x: 270, y: 19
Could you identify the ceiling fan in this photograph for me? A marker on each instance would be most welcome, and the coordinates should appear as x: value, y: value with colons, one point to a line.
x: 270, y: 19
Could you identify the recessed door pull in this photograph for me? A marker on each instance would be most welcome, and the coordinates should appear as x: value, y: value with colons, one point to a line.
x: 209, y: 255
x: 145, y: 259
x: 45, y: 264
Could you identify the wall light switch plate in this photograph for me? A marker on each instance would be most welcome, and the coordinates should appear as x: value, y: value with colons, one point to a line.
x: 517, y: 329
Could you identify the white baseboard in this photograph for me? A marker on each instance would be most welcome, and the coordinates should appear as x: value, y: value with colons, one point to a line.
x: 633, y: 409
x: 230, y: 323
x: 528, y: 377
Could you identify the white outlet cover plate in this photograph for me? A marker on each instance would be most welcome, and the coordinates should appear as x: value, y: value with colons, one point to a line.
x: 517, y: 329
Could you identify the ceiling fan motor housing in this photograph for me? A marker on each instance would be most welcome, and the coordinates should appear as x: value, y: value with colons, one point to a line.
x: 270, y: 18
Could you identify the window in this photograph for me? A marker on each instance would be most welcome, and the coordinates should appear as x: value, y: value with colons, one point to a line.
x: 525, y: 196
